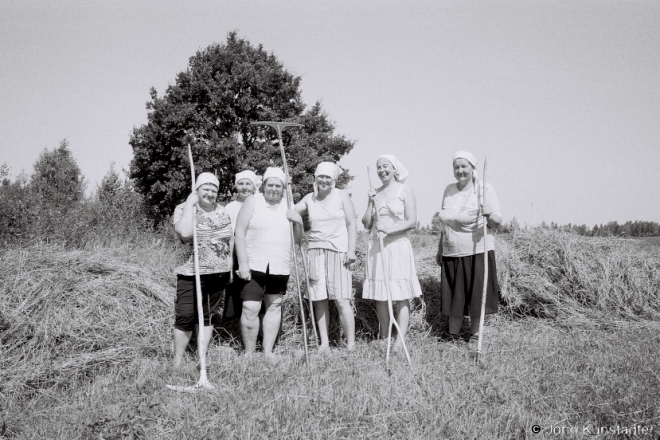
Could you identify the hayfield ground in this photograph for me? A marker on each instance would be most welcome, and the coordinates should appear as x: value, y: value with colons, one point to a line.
x: 573, y: 352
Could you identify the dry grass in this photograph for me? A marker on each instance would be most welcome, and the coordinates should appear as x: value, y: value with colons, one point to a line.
x: 86, y: 345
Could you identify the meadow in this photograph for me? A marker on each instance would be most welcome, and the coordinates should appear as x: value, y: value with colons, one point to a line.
x: 86, y: 344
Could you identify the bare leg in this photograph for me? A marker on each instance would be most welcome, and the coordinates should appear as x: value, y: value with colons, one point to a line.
x: 383, y: 318
x: 250, y: 324
x: 271, y: 322
x: 321, y: 313
x: 402, y: 313
x: 455, y: 323
x: 347, y: 320
x: 181, y: 340
x: 207, y: 335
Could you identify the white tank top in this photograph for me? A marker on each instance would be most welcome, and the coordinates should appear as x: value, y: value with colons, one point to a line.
x: 328, y: 223
x: 268, y: 238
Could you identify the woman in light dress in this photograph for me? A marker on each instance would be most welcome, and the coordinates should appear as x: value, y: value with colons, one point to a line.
x: 395, y: 204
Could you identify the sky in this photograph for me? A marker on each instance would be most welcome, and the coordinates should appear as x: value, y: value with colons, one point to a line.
x: 561, y: 97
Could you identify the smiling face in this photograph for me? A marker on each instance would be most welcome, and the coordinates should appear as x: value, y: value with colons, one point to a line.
x: 385, y: 170
x: 244, y: 188
x: 323, y: 183
x: 463, y: 172
x: 207, y: 193
x: 273, y: 190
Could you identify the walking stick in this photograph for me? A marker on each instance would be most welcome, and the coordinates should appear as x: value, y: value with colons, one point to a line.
x: 484, y: 290
x: 203, y: 379
x: 388, y: 289
x: 289, y: 199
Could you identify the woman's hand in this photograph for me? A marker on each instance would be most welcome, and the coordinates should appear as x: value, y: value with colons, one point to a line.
x: 350, y: 260
x: 243, y: 274
x: 193, y: 198
x: 380, y: 227
x: 371, y: 193
x: 294, y: 217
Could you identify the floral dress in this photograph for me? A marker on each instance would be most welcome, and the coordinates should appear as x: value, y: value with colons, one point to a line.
x: 214, y: 232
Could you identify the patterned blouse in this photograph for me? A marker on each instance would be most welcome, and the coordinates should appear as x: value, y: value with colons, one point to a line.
x: 213, y: 234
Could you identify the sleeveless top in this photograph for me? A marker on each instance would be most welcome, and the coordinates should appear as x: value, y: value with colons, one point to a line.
x: 391, y: 213
x: 328, y: 223
x: 268, y: 238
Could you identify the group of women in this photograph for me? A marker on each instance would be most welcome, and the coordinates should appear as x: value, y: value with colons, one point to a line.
x: 260, y: 228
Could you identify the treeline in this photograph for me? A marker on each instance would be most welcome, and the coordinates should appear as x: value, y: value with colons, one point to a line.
x: 627, y: 229
x: 51, y: 206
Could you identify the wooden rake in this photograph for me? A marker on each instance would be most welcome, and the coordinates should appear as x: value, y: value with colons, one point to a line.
x: 278, y: 126
x: 203, y: 382
x: 484, y: 290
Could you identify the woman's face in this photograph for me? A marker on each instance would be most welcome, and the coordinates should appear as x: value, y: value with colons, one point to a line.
x: 385, y: 170
x: 244, y: 188
x: 273, y: 190
x: 463, y: 171
x: 323, y: 183
x: 207, y: 194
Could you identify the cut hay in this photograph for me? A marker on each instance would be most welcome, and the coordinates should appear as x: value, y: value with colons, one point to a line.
x: 71, y: 314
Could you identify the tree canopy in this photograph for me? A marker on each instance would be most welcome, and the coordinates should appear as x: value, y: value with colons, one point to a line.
x: 210, y: 106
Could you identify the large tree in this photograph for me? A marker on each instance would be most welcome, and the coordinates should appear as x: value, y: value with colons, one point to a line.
x: 211, y: 105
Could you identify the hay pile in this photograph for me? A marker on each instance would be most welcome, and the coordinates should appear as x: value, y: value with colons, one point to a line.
x: 549, y: 273
x: 70, y: 314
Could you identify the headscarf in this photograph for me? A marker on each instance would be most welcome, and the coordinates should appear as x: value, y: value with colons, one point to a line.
x: 471, y: 159
x: 205, y: 178
x: 275, y: 172
x: 327, y: 169
x: 250, y: 175
x: 400, y: 172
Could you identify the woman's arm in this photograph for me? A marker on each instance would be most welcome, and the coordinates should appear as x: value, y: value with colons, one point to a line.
x: 438, y: 256
x: 367, y: 218
x: 351, y: 225
x: 242, y: 222
x: 410, y: 218
x: 184, y: 226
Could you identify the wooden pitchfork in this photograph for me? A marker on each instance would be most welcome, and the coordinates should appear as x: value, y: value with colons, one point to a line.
x: 388, y: 288
x: 484, y: 291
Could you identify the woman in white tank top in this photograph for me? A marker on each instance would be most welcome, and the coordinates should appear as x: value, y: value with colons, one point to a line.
x: 263, y: 245
x: 330, y: 250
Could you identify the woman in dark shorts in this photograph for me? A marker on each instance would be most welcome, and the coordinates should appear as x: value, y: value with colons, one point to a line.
x: 461, y: 247
x: 213, y: 236
x: 263, y: 245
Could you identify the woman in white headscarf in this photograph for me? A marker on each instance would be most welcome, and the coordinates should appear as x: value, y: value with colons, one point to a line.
x: 213, y: 245
x: 263, y: 245
x: 246, y: 183
x: 330, y: 250
x: 397, y: 212
x: 462, y: 244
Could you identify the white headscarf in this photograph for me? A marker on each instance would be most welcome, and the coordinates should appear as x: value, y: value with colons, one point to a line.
x: 329, y: 169
x: 250, y: 175
x: 205, y: 178
x: 470, y: 158
x: 400, y: 172
x: 275, y: 172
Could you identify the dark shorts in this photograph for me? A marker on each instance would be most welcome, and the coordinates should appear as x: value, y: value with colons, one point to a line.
x: 185, y: 307
x: 462, y: 285
x: 262, y: 284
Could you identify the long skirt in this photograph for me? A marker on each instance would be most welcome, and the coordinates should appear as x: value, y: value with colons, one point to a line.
x: 400, y: 274
x: 462, y: 285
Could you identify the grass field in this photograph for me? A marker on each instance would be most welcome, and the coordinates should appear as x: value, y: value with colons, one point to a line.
x: 86, y: 350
